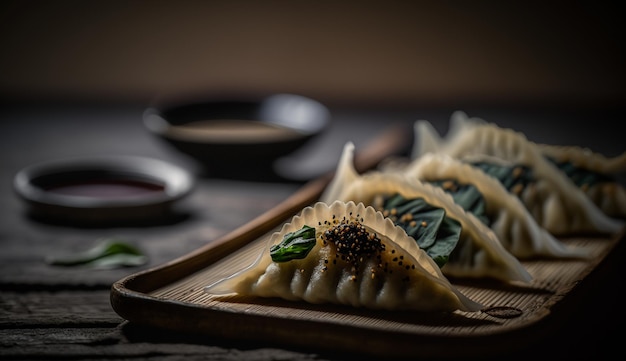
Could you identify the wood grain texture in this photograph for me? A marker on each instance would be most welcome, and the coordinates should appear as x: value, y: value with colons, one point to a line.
x: 172, y: 297
x: 56, y: 313
x: 180, y: 304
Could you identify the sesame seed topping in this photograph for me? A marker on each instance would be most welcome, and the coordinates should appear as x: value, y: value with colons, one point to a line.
x: 353, y: 242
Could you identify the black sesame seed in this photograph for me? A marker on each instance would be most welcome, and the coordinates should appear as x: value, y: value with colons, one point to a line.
x: 354, y: 243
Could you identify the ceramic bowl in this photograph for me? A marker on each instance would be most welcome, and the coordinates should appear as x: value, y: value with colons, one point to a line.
x: 104, y: 189
x: 238, y: 135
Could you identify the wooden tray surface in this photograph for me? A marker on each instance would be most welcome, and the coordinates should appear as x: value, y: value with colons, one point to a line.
x: 171, y: 296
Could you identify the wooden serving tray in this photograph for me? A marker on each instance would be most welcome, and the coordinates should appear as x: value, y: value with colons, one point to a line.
x: 171, y: 297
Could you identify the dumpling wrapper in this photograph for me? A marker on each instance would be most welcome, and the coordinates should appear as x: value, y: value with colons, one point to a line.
x: 478, y: 253
x: 512, y: 223
x: 609, y: 196
x: 553, y: 199
x: 415, y: 284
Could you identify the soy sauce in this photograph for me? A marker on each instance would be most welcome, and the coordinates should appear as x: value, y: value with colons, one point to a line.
x: 106, y: 188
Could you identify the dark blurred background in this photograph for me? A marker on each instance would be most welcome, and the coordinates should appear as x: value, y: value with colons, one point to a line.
x: 552, y: 70
x: 76, y: 76
x: 396, y: 53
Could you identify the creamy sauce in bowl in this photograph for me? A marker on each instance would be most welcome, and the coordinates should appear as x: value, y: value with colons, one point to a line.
x: 232, y: 131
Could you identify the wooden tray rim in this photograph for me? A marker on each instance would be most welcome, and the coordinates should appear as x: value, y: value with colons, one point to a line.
x: 130, y: 298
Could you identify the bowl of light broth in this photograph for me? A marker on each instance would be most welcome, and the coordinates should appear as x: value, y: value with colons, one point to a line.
x: 238, y: 135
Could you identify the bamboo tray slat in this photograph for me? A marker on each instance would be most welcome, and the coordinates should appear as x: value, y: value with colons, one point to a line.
x: 171, y: 296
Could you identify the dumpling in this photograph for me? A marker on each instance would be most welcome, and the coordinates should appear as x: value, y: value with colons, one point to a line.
x: 551, y: 198
x: 492, y: 203
x: 593, y: 173
x: 478, y: 253
x: 346, y: 253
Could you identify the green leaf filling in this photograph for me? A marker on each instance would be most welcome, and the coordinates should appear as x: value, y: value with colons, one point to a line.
x: 581, y: 176
x: 433, y: 231
x: 107, y: 253
x: 513, y: 176
x: 468, y: 197
x: 295, y: 245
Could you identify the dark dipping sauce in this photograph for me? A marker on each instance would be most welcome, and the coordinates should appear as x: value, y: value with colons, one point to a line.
x: 102, y: 190
x: 106, y: 188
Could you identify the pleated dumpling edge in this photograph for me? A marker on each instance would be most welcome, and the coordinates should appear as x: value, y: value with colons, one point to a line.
x: 395, y: 275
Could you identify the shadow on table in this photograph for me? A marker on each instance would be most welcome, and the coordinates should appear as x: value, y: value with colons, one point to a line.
x: 261, y: 171
x: 167, y: 219
x: 237, y: 349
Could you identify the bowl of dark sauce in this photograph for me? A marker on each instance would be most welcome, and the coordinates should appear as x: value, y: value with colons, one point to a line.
x: 102, y: 189
x: 238, y: 136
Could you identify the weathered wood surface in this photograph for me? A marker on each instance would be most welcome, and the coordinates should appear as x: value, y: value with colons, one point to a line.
x: 64, y: 313
x: 49, y: 312
x: 81, y: 324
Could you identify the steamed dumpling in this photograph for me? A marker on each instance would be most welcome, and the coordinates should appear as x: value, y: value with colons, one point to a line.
x: 551, y: 198
x: 593, y: 173
x: 346, y: 253
x: 491, y: 202
x: 478, y: 253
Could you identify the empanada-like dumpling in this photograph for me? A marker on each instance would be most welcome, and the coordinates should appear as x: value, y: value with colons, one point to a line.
x: 347, y: 253
x: 593, y: 173
x: 478, y: 253
x: 506, y: 215
x: 551, y: 198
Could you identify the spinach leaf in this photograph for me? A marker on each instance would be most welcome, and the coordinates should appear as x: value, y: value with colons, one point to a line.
x: 107, y: 253
x: 513, y: 177
x: 581, y: 176
x: 295, y: 245
x: 433, y: 231
x: 467, y: 196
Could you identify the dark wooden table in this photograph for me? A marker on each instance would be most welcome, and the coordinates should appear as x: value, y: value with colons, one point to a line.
x: 49, y: 312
